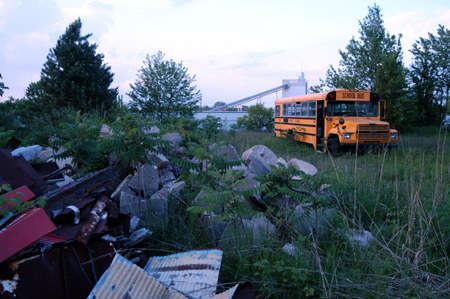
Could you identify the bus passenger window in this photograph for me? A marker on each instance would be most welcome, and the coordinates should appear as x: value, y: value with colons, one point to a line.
x: 284, y: 109
x: 303, y: 111
x: 312, y: 109
x: 277, y: 110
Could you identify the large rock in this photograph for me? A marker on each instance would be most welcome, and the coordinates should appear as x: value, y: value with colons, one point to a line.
x: 242, y: 169
x: 214, y: 226
x: 246, y: 183
x: 201, y: 201
x: 175, y: 139
x: 262, y: 152
x: 151, y: 130
x: 248, y: 232
x: 28, y: 153
x: 166, y: 175
x: 258, y: 166
x: 158, y: 159
x: 159, y: 203
x: 229, y: 152
x: 46, y: 154
x: 309, y: 221
x: 146, y: 180
x: 303, y: 166
x: 133, y: 205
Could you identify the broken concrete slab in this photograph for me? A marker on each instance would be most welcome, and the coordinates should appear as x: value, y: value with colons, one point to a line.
x: 121, y: 187
x: 166, y: 175
x: 28, y: 152
x: 282, y: 162
x: 146, y: 181
x: 159, y: 203
x: 151, y: 130
x: 229, y: 152
x: 303, y: 166
x: 106, y: 132
x: 261, y: 151
x: 175, y: 138
x: 242, y: 169
x: 131, y: 204
x: 158, y: 159
x: 309, y: 221
x: 258, y: 166
x: 214, y: 226
x: 46, y: 154
x: 248, y: 232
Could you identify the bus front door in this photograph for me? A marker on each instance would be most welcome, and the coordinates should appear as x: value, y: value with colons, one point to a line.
x: 320, y: 121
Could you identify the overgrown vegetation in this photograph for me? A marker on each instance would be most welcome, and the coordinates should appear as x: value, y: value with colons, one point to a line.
x: 400, y: 196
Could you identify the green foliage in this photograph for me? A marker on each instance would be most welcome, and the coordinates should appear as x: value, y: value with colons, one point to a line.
x: 258, y: 118
x: 430, y: 77
x: 129, y: 145
x: 75, y: 75
x: 373, y: 62
x: 80, y: 140
x: 164, y: 89
x: 15, y: 205
x: 3, y: 87
x: 211, y: 126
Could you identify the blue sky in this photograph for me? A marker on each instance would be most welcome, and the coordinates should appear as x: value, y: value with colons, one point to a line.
x: 235, y: 48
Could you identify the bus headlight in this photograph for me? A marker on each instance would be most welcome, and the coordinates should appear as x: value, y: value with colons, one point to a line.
x: 393, y: 135
x: 346, y: 135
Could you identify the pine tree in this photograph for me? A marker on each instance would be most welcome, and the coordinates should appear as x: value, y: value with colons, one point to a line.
x: 2, y: 86
x: 75, y: 75
x: 164, y: 89
x: 372, y: 62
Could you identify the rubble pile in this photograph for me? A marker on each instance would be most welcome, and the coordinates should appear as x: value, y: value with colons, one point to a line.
x: 61, y: 236
x: 65, y: 237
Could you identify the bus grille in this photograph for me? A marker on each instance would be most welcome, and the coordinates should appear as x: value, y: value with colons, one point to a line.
x: 373, y: 132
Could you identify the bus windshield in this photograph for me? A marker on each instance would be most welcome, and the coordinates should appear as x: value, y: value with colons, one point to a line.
x: 352, y: 108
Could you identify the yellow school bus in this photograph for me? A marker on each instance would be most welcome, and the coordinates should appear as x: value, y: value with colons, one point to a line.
x: 335, y: 120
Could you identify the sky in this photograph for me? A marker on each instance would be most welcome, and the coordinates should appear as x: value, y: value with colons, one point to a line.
x: 235, y: 48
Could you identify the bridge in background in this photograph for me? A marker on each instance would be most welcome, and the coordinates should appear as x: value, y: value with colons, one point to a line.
x: 250, y: 98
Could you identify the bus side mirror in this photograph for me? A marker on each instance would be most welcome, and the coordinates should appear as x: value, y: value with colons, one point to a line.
x: 383, y: 109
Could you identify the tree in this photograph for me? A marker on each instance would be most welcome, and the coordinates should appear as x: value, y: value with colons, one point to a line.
x: 164, y: 88
x: 372, y: 62
x: 219, y: 104
x: 2, y: 87
x: 430, y: 76
x: 74, y: 75
x: 258, y: 118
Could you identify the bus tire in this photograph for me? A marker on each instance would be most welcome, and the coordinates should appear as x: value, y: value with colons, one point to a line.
x: 333, y: 145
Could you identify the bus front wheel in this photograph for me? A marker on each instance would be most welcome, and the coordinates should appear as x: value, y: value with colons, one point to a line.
x: 333, y: 145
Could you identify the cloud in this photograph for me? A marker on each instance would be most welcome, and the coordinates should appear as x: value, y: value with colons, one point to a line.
x: 29, y: 28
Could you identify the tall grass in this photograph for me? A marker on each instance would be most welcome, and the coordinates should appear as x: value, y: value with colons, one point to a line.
x: 401, y: 196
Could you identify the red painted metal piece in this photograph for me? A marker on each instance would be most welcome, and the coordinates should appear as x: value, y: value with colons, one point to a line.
x: 24, y: 231
x: 23, y: 194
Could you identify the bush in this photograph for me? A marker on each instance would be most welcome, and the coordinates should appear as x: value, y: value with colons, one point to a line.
x: 258, y: 118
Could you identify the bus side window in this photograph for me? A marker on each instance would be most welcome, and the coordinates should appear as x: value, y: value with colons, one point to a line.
x: 284, y: 109
x: 277, y: 110
x: 304, y: 109
x: 312, y: 109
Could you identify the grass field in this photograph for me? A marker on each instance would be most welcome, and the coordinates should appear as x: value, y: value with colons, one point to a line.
x: 401, y: 196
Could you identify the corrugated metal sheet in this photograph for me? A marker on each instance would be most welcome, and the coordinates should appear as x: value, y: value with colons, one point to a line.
x: 193, y: 273
x: 123, y: 279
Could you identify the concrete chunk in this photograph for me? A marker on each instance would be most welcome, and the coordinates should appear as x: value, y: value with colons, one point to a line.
x: 303, y: 166
x: 145, y: 181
